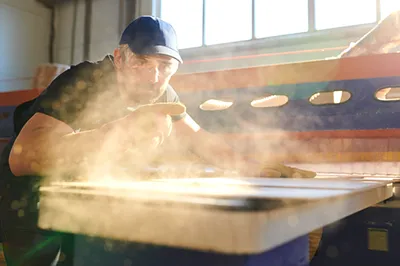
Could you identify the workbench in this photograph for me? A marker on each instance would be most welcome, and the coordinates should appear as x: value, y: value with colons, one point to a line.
x: 232, y: 217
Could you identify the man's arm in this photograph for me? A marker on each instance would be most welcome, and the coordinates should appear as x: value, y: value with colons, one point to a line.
x: 215, y: 150
x: 189, y: 136
x: 211, y: 148
x: 46, y: 145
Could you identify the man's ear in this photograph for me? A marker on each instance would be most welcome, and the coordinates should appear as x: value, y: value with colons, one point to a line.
x: 117, y: 58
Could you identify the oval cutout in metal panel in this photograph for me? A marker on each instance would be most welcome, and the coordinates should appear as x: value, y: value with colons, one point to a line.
x: 388, y: 94
x: 270, y: 101
x: 215, y: 105
x: 330, y: 97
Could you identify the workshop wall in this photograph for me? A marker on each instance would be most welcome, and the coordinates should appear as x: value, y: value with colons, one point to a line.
x: 107, y: 23
x: 24, y: 41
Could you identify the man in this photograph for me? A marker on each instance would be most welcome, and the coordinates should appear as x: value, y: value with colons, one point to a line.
x: 83, y: 124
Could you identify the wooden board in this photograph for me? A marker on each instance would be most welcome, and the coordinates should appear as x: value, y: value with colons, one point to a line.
x: 226, y: 215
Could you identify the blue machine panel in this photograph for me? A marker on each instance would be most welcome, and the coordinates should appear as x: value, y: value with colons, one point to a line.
x: 6, y: 121
x: 361, y: 111
x: 370, y: 237
x: 96, y: 251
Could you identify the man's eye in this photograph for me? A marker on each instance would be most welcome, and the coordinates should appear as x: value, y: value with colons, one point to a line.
x: 166, y: 67
x: 163, y: 66
x: 141, y: 63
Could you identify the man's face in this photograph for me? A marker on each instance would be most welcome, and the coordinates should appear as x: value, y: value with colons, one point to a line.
x: 143, y: 79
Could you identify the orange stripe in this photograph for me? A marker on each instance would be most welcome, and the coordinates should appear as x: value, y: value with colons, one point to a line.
x: 362, y: 67
x: 327, y: 134
x: 17, y: 97
x: 325, y: 157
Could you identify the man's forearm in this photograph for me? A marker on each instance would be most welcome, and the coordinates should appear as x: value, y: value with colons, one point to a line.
x: 52, y: 152
x: 49, y: 154
x: 216, y: 151
x: 47, y: 146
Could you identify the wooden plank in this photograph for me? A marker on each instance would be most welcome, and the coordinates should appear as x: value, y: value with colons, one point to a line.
x: 246, y: 219
x: 345, y: 182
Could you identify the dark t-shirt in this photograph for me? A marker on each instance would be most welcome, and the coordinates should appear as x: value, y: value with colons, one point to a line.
x: 84, y: 97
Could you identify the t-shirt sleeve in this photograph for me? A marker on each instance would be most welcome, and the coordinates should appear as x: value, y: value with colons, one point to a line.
x: 64, y: 97
x: 172, y: 97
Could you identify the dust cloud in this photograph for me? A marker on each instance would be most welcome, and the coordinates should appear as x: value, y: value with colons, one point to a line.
x: 88, y: 175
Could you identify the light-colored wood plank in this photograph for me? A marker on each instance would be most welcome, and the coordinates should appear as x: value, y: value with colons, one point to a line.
x: 161, y: 212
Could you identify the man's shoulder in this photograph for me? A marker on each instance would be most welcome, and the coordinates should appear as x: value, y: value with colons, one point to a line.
x: 87, y: 68
x: 90, y: 72
x: 72, y: 87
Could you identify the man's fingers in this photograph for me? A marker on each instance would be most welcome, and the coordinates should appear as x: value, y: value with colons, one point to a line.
x: 270, y: 173
x: 149, y: 130
x: 300, y: 173
x: 285, y: 171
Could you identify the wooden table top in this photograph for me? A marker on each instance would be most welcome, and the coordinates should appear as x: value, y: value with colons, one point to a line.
x: 230, y: 215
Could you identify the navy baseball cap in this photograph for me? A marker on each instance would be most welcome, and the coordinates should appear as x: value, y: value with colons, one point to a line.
x: 148, y: 35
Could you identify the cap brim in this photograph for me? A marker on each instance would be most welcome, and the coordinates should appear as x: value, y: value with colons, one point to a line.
x: 158, y: 50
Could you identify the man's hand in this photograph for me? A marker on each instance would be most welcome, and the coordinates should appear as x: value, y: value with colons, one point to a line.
x: 268, y: 169
x: 149, y: 125
x: 139, y: 130
x: 253, y: 168
x: 132, y: 141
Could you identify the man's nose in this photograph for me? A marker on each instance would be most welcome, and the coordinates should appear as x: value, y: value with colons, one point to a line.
x: 153, y: 75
